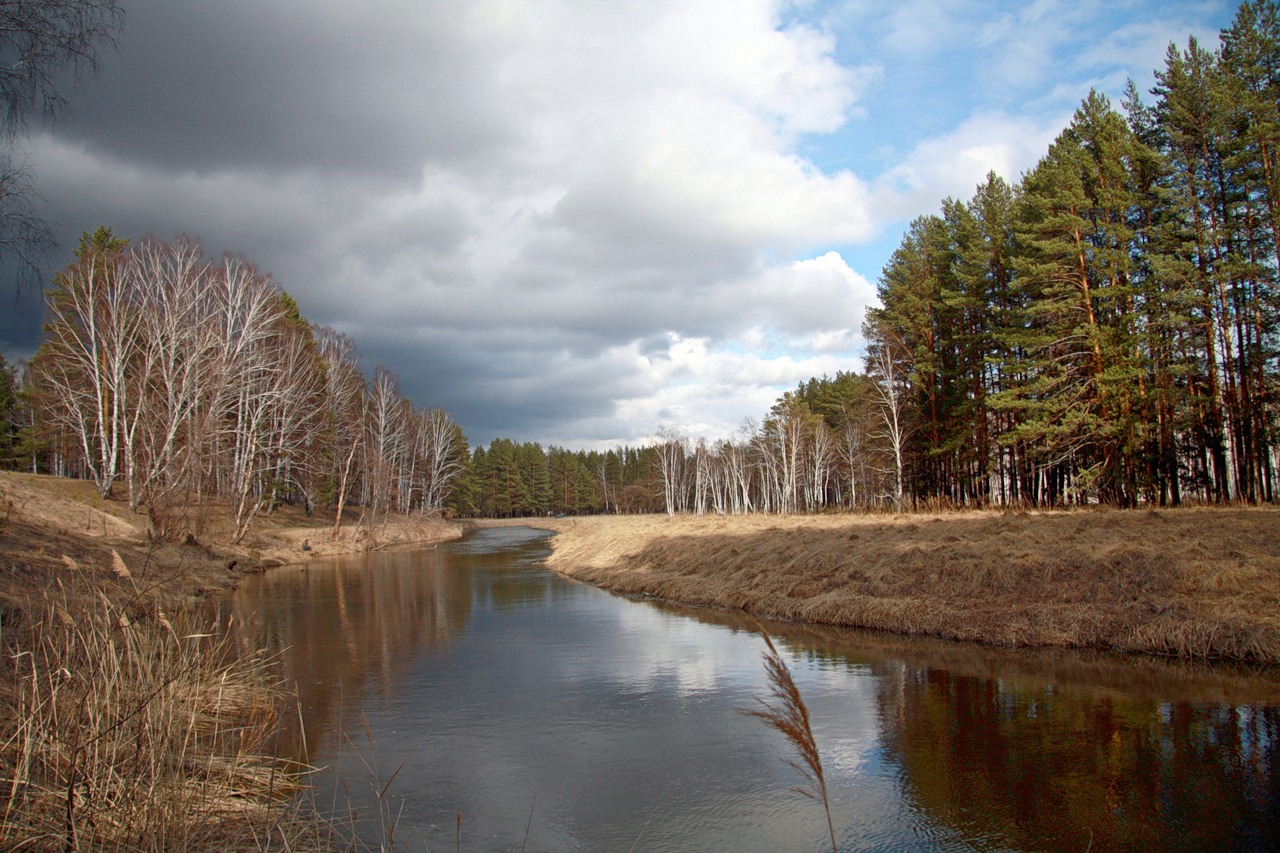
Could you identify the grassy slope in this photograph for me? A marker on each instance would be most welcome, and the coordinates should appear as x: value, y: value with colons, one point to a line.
x: 1193, y: 583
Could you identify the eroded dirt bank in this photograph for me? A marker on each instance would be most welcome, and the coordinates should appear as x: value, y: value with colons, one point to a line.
x: 43, y: 519
x: 1201, y: 584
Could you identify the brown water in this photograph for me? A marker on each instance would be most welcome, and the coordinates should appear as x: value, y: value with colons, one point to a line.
x: 552, y: 716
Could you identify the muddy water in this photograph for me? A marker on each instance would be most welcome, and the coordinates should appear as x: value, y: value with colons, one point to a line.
x: 510, y: 709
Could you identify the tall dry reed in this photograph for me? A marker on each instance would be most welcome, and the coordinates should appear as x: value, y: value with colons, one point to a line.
x: 790, y: 716
x: 130, y: 729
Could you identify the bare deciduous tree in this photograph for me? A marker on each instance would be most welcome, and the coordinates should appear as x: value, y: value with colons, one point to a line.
x: 891, y: 389
x: 189, y: 380
x: 92, y: 340
x: 442, y: 452
x: 346, y: 403
x: 176, y: 345
x: 386, y: 432
x: 672, y: 448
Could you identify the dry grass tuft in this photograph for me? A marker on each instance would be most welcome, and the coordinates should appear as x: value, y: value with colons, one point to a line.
x: 133, y: 733
x: 119, y: 568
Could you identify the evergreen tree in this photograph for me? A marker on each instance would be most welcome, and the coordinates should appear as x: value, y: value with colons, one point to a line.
x: 1250, y: 105
x: 535, y: 480
x: 985, y: 273
x: 1076, y: 404
x: 1167, y: 300
x: 1188, y: 94
x: 9, y: 414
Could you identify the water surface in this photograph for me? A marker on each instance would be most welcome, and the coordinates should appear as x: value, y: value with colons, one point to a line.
x: 552, y: 716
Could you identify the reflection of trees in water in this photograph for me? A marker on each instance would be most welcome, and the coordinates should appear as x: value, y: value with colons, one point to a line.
x: 1037, y: 767
x: 515, y: 590
x: 1059, y: 750
x: 344, y: 630
x: 509, y: 577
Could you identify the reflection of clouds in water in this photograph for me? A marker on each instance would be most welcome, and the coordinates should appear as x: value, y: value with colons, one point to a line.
x: 844, y: 756
x: 504, y: 689
x: 843, y: 711
x: 657, y: 651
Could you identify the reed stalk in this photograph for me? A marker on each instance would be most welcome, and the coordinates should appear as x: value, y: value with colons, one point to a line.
x: 790, y: 716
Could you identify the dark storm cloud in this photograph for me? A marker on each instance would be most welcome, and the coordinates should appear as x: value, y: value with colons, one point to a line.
x: 493, y: 377
x: 247, y: 85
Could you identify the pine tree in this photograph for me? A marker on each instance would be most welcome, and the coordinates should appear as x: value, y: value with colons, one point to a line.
x: 533, y: 493
x: 1164, y: 273
x: 985, y: 271
x: 1195, y: 139
x: 1077, y: 404
x: 1249, y: 103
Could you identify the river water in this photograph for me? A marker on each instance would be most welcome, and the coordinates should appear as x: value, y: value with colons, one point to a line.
x: 502, y: 707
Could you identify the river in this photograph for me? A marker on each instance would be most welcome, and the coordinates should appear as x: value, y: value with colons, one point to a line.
x: 503, y: 707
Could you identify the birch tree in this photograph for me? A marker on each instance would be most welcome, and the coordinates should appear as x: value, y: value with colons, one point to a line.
x: 346, y: 405
x: 672, y: 449
x: 385, y: 436
x: 890, y: 390
x: 177, y: 347
x: 443, y: 452
x: 92, y: 338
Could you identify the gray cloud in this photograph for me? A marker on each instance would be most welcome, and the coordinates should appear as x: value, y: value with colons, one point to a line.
x: 367, y: 88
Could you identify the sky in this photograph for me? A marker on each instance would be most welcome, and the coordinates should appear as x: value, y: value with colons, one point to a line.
x: 571, y: 221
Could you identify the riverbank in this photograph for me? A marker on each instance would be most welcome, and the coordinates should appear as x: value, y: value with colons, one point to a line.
x: 127, y: 721
x: 1195, y: 583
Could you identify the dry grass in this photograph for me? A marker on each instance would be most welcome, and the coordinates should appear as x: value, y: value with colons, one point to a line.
x: 132, y: 729
x: 1200, y: 584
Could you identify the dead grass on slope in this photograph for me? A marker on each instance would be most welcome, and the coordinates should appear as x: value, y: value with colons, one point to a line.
x: 1191, y: 583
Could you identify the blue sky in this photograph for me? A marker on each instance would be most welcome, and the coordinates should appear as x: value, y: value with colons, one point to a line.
x: 568, y: 221
x: 991, y: 80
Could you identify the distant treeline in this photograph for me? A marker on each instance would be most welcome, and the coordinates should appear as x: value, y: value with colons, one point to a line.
x: 821, y: 446
x: 817, y: 448
x: 175, y: 380
x: 508, y: 480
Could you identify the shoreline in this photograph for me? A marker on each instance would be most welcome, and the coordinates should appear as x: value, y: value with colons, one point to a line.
x: 43, y: 518
x: 1198, y: 584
